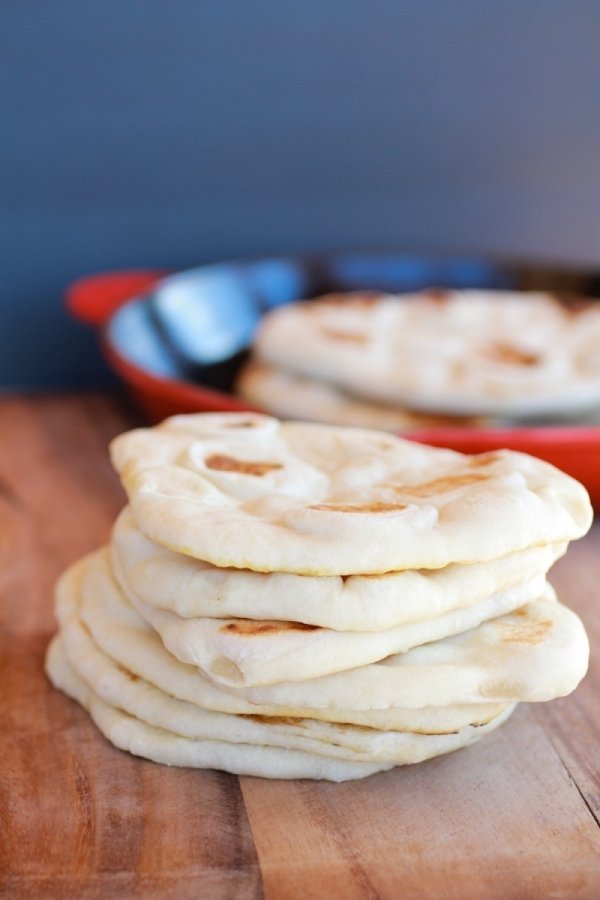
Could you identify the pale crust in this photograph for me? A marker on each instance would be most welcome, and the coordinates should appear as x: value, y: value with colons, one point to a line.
x: 247, y: 652
x: 126, y: 732
x: 320, y: 500
x: 291, y: 396
x: 118, y: 687
x: 192, y: 588
x: 536, y: 653
x: 87, y: 597
x: 454, y: 352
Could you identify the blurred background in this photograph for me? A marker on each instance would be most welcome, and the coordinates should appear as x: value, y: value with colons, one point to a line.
x: 139, y: 133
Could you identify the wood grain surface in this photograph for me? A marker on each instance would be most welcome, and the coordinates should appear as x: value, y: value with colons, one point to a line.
x: 515, y: 816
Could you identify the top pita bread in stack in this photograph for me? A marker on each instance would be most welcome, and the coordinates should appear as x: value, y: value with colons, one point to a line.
x: 506, y: 355
x: 249, y: 492
x: 295, y: 600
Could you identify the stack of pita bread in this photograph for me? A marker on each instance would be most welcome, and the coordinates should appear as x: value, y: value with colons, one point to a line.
x: 307, y: 601
x: 426, y: 360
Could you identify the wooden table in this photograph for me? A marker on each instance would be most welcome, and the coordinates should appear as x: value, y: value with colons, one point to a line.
x: 515, y: 816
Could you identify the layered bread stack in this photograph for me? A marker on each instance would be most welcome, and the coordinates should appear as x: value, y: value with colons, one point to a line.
x: 294, y: 600
x: 427, y: 360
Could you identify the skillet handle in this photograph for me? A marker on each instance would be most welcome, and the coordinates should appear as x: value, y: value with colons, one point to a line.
x: 95, y: 298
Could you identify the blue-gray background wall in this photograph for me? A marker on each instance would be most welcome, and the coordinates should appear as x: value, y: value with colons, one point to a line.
x: 169, y: 132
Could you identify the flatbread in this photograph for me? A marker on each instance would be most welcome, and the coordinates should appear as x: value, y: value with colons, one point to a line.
x: 120, y: 688
x: 122, y: 635
x: 129, y: 733
x: 536, y: 653
x: 288, y: 395
x: 238, y: 652
x: 487, y: 353
x: 247, y: 491
x: 192, y: 588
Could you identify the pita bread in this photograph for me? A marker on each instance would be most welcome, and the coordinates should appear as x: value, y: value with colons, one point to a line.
x: 129, y: 733
x: 246, y: 491
x: 118, y: 687
x: 192, y: 588
x: 122, y: 635
x: 238, y: 652
x: 290, y: 396
x: 455, y: 352
x: 536, y: 653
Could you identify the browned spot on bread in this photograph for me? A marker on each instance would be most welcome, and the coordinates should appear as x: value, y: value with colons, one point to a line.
x: 347, y: 337
x: 526, y: 634
x: 270, y: 720
x: 351, y: 726
x: 506, y: 353
x: 378, y: 576
x: 440, y: 485
x: 289, y: 720
x: 250, y: 627
x: 339, y: 726
x: 223, y: 463
x: 240, y: 425
x: 574, y: 304
x: 484, y: 459
x: 375, y: 507
x: 439, y: 296
x: 126, y: 672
